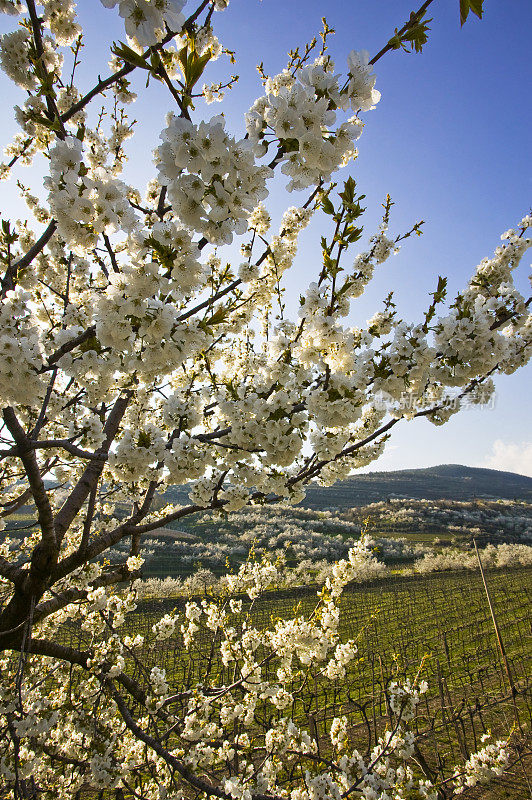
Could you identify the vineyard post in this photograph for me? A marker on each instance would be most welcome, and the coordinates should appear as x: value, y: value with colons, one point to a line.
x: 499, y: 637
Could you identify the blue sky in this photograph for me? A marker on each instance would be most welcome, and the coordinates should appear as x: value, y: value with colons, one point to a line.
x: 449, y: 140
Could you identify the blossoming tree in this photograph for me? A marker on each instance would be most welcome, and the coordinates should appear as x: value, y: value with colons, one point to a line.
x: 133, y: 357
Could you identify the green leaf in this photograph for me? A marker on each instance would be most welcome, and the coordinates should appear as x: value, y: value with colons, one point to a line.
x: 217, y: 317
x: 470, y: 5
x: 441, y: 289
x: 395, y: 42
x: 182, y: 57
x: 413, y: 38
x: 155, y: 61
x: 192, y: 65
x: 9, y: 235
x: 124, y: 52
x: 330, y: 264
x: 348, y: 195
x: 417, y: 36
x: 40, y: 119
x: 355, y: 235
x: 197, y: 67
x: 327, y: 206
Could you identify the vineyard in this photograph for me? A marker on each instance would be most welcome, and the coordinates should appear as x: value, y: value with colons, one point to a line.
x: 438, y: 626
x: 411, y: 613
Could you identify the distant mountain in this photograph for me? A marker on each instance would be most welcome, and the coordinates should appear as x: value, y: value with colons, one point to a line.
x: 446, y: 482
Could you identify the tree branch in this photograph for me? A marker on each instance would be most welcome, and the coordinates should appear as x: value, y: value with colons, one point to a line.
x: 10, y: 278
x: 104, y: 84
x: 11, y: 571
x: 70, y: 508
x: 59, y: 601
x: 108, y: 539
x: 71, y: 345
x: 45, y: 647
x: 414, y: 19
x: 26, y: 453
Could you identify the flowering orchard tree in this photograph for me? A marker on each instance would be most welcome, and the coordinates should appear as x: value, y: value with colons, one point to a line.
x: 133, y: 357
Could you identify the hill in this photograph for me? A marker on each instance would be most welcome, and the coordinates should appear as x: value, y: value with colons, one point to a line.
x: 445, y: 482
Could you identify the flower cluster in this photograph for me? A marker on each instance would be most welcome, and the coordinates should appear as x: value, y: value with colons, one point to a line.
x: 361, y: 92
x: 212, y: 179
x: 404, y: 698
x: 85, y: 207
x: 15, y: 58
x: 20, y: 352
x: 146, y: 20
x: 60, y: 17
x: 300, y: 645
x: 12, y: 7
x: 487, y: 763
x: 298, y: 112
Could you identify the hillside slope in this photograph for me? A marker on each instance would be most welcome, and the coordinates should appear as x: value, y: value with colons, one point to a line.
x: 445, y: 482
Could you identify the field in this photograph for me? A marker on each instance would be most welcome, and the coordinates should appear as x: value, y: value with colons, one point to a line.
x: 403, y: 530
x: 439, y: 622
x: 436, y: 625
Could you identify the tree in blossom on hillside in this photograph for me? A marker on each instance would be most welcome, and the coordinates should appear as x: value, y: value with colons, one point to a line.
x: 133, y: 357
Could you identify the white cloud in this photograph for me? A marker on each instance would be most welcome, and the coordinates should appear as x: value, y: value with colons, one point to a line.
x: 510, y: 457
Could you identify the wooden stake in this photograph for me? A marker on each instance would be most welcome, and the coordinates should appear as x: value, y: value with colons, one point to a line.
x: 499, y: 637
